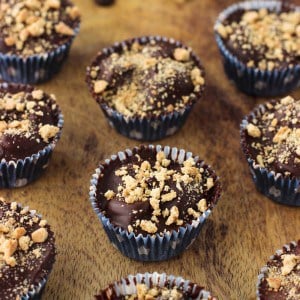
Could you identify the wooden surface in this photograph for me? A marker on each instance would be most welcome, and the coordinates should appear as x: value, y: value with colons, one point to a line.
x: 245, y: 227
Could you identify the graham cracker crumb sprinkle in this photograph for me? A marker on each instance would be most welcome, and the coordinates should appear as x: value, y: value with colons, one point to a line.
x: 17, y: 249
x: 155, y: 292
x: 276, y: 134
x: 34, y: 26
x: 48, y: 131
x: 283, y: 273
x: 269, y: 39
x: 181, y: 54
x: 152, y: 81
x: 165, y: 185
x: 100, y: 86
x: 19, y: 111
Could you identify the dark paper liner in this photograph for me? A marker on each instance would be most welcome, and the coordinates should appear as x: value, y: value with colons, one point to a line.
x: 127, y: 286
x: 264, y: 270
x: 144, y: 128
x: 23, y: 171
x: 156, y: 247
x: 34, y: 68
x: 250, y: 80
x: 278, y: 187
x: 36, y: 292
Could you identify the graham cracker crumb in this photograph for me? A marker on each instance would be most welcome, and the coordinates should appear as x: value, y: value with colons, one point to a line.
x: 181, y: 54
x: 64, y: 29
x: 100, y: 86
x: 48, y: 131
x: 148, y: 226
x: 253, y: 130
x: 40, y: 235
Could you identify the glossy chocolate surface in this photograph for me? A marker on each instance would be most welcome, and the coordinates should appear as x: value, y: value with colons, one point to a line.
x: 278, y: 146
x: 192, y: 291
x: 29, y: 270
x: 14, y: 146
x: 241, y: 46
x: 46, y: 41
x: 144, y: 78
x: 267, y: 293
x: 124, y: 214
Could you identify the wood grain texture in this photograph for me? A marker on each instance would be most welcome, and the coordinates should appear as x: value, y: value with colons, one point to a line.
x: 244, y: 229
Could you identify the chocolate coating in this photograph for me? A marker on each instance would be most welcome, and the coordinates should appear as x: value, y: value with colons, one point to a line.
x: 29, y: 270
x: 124, y: 214
x: 144, y: 78
x: 188, y: 291
x: 283, y: 156
x: 264, y: 290
x: 14, y: 146
x: 261, y: 54
x: 48, y: 41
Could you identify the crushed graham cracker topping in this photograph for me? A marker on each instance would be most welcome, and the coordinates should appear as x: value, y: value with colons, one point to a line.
x: 283, y: 274
x: 144, y: 292
x: 263, y: 39
x: 159, y: 193
x: 147, y: 79
x: 36, y: 26
x: 26, y: 114
x: 24, y: 247
x: 274, y: 137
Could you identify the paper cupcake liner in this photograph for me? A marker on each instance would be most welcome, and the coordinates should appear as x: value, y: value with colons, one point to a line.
x: 127, y: 286
x: 254, y: 81
x: 264, y: 270
x: 281, y: 189
x: 23, y: 171
x: 145, y: 128
x: 156, y: 247
x: 36, y: 292
x: 35, y: 68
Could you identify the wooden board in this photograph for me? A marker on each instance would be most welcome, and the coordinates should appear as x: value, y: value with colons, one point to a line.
x: 244, y: 229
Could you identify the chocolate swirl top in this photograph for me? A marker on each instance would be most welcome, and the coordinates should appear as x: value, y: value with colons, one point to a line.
x: 150, y: 193
x: 27, y: 250
x: 146, y: 77
x: 264, y: 38
x: 36, y: 26
x: 281, y: 279
x: 272, y: 138
x: 28, y: 121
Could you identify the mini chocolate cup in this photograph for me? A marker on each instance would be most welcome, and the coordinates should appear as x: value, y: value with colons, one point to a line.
x: 160, y: 246
x: 276, y: 186
x: 35, y: 68
x: 36, y: 290
x: 261, y: 279
x: 127, y: 286
x: 149, y: 128
x: 24, y: 171
x: 251, y: 80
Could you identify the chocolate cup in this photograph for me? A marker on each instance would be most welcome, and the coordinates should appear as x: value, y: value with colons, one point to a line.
x: 127, y: 286
x: 160, y: 246
x: 35, y: 68
x: 251, y: 80
x: 24, y: 171
x: 276, y: 186
x: 264, y: 270
x: 149, y: 128
x: 36, y: 290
